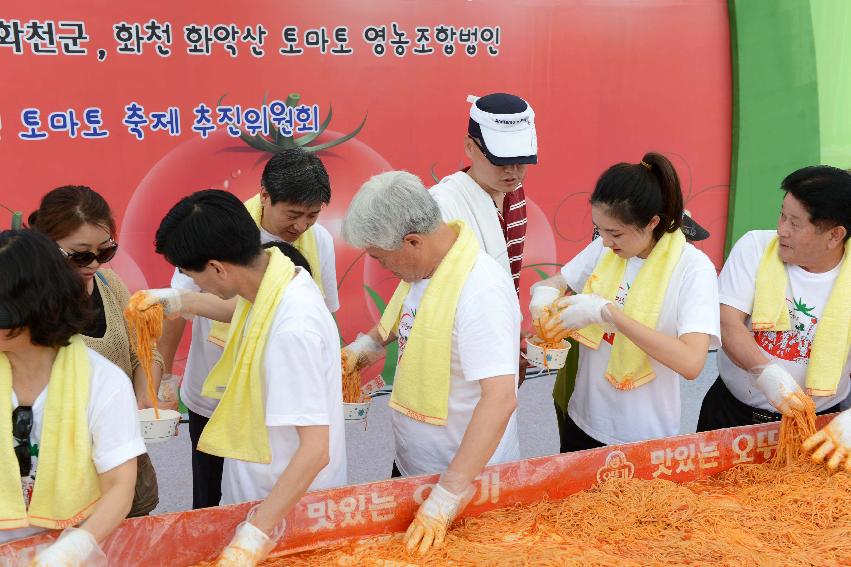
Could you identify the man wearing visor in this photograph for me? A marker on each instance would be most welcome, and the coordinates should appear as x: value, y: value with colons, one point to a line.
x: 488, y: 195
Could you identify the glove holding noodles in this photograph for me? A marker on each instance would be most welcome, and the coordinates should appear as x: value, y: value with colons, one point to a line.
x: 833, y: 443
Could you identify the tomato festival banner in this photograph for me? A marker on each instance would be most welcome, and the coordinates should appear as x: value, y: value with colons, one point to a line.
x: 147, y: 103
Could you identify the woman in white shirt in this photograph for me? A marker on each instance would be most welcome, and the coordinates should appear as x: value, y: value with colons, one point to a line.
x: 632, y: 353
x: 69, y: 432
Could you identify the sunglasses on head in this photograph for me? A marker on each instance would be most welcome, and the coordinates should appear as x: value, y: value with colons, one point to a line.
x: 22, y: 426
x: 83, y: 259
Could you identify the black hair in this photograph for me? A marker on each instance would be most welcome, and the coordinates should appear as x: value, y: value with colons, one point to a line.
x: 825, y: 192
x: 208, y: 225
x: 292, y: 253
x: 296, y: 176
x: 636, y: 192
x: 40, y: 291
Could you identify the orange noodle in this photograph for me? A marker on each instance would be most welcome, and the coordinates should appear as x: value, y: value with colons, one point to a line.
x: 146, y: 326
x: 352, y: 385
x: 787, y: 512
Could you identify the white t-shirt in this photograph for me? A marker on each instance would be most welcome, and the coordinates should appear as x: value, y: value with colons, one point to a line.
x: 485, y: 344
x: 806, y: 296
x: 652, y: 410
x: 303, y: 380
x: 203, y: 354
x: 113, y: 424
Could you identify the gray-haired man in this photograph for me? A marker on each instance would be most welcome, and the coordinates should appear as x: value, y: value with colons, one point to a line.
x: 456, y: 318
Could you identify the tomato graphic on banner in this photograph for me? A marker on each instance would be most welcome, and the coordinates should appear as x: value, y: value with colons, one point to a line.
x: 795, y: 344
x: 222, y: 161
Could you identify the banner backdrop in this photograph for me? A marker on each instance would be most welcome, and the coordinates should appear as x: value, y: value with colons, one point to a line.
x: 145, y: 104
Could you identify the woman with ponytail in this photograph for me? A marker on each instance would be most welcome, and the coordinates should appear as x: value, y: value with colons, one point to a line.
x: 641, y: 302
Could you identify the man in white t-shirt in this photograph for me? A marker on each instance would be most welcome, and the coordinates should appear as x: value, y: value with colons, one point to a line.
x: 398, y: 223
x: 759, y: 370
x: 211, y: 238
x: 294, y: 188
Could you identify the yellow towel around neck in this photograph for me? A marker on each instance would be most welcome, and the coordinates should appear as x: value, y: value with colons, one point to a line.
x: 67, y: 485
x: 237, y: 428
x: 421, y: 385
x: 306, y: 244
x: 833, y: 335
x: 629, y: 366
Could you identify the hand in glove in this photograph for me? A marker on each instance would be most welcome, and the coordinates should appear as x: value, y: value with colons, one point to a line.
x: 779, y: 387
x: 171, y: 299
x: 833, y: 443
x: 436, y: 515
x: 76, y: 547
x: 361, y: 353
x: 249, y: 545
x: 542, y: 297
x: 576, y: 312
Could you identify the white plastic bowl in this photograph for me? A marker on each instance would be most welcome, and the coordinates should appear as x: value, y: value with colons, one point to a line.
x: 549, y: 359
x: 158, y: 430
x: 355, y: 412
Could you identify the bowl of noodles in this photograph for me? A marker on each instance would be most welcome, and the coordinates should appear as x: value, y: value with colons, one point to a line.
x: 547, y: 355
x: 356, y: 411
x: 158, y: 425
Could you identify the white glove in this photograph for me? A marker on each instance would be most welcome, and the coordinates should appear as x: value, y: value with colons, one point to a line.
x: 779, y: 387
x: 75, y: 547
x: 171, y: 299
x: 361, y: 353
x: 248, y: 547
x: 542, y: 296
x: 437, y: 513
x: 578, y: 311
x: 834, y: 440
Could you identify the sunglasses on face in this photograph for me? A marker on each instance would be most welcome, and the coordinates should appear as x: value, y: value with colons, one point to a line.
x: 83, y: 259
x: 22, y: 425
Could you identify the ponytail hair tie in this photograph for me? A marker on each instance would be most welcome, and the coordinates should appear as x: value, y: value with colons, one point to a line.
x: 645, y: 164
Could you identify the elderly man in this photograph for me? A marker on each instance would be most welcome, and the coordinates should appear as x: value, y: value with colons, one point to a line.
x: 456, y: 318
x: 786, y: 310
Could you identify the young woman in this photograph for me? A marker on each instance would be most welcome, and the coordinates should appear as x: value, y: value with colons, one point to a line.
x: 69, y: 436
x: 642, y: 303
x: 80, y: 222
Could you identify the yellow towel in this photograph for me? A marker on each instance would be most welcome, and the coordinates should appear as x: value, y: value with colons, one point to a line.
x: 237, y: 428
x: 769, y: 304
x: 421, y: 385
x: 833, y: 336
x: 306, y: 244
x: 629, y: 366
x: 67, y: 485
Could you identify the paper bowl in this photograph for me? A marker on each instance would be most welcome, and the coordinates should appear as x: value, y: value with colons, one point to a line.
x: 355, y: 412
x: 550, y: 358
x: 158, y: 430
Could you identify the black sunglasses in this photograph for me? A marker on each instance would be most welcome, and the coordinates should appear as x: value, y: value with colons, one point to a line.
x: 22, y: 426
x: 83, y: 259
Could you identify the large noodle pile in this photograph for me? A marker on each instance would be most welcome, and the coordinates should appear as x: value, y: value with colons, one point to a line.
x: 146, y: 326
x: 788, y: 512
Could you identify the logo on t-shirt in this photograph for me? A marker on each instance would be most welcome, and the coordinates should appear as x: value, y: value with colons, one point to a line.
x: 406, y: 323
x: 620, y: 299
x: 795, y: 344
